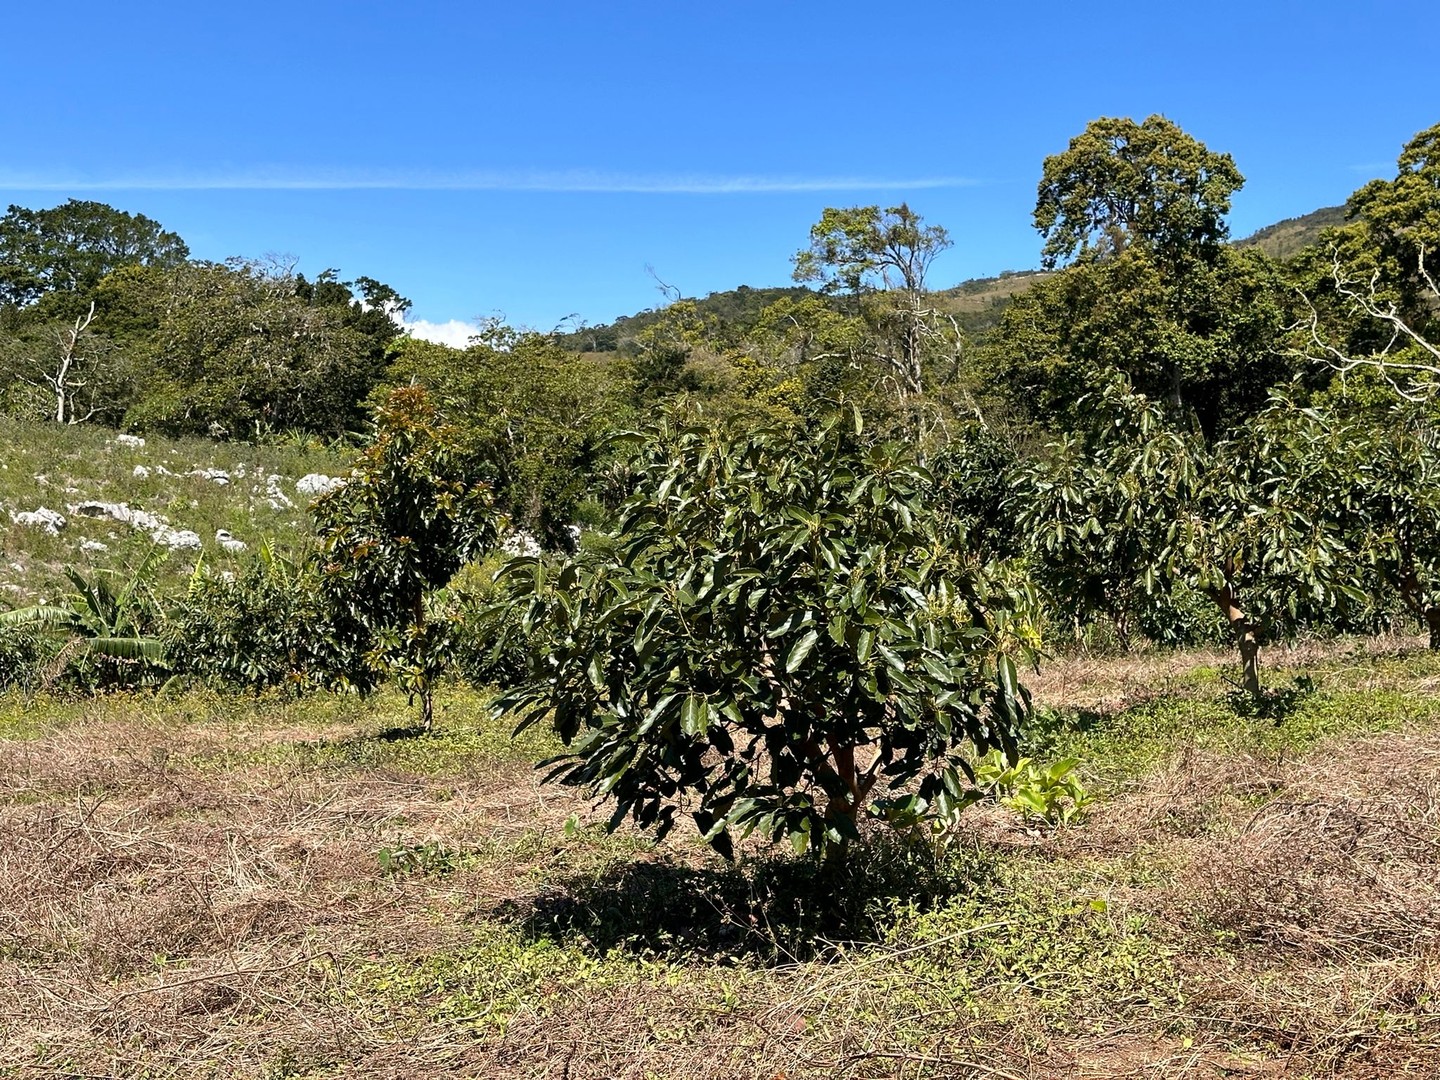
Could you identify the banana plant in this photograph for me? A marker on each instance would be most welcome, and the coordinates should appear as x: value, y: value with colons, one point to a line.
x: 104, y: 622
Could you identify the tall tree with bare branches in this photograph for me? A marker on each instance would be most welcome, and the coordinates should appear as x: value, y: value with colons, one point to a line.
x: 882, y: 257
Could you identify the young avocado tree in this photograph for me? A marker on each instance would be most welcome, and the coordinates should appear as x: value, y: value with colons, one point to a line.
x: 404, y: 522
x: 785, y: 640
x: 1373, y: 290
x: 1397, y: 512
x: 263, y: 628
x: 1137, y: 507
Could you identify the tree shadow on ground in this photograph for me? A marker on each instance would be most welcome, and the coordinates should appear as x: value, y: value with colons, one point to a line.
x: 1275, y: 703
x: 770, y: 909
x: 394, y: 734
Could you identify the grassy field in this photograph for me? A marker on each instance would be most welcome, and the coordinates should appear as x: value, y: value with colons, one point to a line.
x: 200, y: 885
x: 58, y: 467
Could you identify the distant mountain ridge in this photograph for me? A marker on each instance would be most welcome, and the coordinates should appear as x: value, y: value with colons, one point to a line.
x: 976, y: 304
x: 1286, y: 238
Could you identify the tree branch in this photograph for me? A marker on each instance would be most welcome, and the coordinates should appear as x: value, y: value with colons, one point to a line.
x: 1363, y: 297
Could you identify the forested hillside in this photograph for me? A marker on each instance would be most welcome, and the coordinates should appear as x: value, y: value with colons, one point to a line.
x: 976, y: 304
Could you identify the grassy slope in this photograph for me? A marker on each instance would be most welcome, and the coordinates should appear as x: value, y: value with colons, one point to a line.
x: 47, y: 465
x: 977, y: 304
x: 194, y: 886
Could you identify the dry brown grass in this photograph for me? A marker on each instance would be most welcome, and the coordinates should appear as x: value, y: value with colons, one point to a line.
x: 191, y: 919
x: 1330, y: 893
x: 1107, y: 682
x: 165, y: 916
x: 1306, y: 894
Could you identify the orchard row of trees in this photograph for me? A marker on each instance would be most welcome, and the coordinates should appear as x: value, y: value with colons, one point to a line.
x: 807, y: 594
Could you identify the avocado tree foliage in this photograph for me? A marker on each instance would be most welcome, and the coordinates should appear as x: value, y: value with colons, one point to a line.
x: 1384, y: 500
x: 1138, y: 506
x: 784, y: 640
x: 406, y: 519
x: 1395, y: 510
x: 1373, y: 289
x: 262, y: 628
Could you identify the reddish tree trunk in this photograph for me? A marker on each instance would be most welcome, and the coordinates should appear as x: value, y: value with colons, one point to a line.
x: 1245, y: 639
x: 1416, y: 600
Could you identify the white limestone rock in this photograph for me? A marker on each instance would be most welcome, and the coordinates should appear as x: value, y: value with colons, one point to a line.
x: 274, y: 496
x: 51, y: 521
x: 317, y: 484
x: 135, y: 442
x: 121, y: 512
x: 521, y: 543
x: 177, y: 539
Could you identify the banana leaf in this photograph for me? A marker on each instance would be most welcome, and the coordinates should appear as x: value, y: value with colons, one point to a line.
x: 148, y: 650
x: 43, y: 615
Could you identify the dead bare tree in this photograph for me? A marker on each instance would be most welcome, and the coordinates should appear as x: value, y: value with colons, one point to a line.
x: 663, y: 287
x: 62, y: 380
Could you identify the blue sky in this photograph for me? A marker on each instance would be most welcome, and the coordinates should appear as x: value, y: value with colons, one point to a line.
x: 532, y: 160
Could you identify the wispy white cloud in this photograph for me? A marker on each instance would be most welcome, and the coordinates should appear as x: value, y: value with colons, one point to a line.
x: 454, y: 332
x: 576, y: 181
